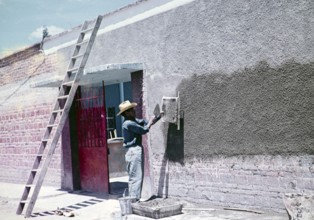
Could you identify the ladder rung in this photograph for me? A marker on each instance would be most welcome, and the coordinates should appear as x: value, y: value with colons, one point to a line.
x: 29, y: 185
x: 73, y: 69
x: 39, y: 155
x: 45, y: 140
x: 52, y: 125
x: 63, y: 97
x: 81, y: 43
x: 24, y: 201
x: 77, y: 56
x: 87, y: 30
x: 68, y: 83
x: 57, y: 111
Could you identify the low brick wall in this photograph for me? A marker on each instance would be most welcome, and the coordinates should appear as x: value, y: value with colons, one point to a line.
x: 252, y: 182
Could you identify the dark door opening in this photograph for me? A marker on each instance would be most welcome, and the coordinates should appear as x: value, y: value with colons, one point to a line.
x: 117, y: 167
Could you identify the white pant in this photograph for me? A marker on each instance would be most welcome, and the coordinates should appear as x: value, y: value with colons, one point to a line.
x: 135, y: 163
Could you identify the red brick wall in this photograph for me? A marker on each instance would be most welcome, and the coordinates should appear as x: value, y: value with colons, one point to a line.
x: 24, y: 64
x: 23, y: 118
x: 20, y: 55
x: 21, y: 133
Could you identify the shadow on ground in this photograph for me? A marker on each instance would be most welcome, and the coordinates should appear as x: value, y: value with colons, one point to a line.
x: 116, y: 189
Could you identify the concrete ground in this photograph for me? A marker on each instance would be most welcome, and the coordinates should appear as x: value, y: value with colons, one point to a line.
x: 96, y: 206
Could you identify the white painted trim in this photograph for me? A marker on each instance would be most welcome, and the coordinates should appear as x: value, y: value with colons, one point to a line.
x: 56, y: 80
x: 113, y: 66
x: 155, y: 11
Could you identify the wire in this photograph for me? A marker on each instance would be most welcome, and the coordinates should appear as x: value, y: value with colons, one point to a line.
x: 23, y: 83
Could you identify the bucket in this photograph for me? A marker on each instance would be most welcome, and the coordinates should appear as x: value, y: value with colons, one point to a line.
x: 125, y: 204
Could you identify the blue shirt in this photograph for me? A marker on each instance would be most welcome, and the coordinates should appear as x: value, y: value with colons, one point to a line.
x: 133, y: 131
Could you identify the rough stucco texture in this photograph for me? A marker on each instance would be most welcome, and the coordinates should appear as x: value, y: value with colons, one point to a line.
x: 259, y: 110
x: 243, y: 69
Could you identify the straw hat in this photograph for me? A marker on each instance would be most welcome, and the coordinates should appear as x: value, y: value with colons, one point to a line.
x: 125, y: 106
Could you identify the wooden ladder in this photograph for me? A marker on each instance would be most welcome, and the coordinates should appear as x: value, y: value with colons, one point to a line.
x: 58, y: 116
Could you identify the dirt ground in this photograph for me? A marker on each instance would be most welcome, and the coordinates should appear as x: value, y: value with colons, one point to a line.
x: 91, y: 206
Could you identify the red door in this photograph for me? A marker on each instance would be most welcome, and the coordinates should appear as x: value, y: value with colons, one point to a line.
x: 92, y: 139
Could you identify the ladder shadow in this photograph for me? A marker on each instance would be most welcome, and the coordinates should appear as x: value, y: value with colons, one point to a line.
x: 98, y: 198
x: 116, y: 190
x: 69, y: 208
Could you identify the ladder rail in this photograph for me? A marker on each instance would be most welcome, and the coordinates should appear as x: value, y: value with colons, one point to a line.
x: 46, y: 163
x: 76, y: 49
x: 63, y: 109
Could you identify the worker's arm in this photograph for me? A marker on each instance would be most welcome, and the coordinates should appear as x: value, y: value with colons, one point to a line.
x: 140, y: 126
x: 130, y: 143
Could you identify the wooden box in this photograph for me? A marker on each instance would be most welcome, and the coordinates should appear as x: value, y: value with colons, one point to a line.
x: 156, y: 209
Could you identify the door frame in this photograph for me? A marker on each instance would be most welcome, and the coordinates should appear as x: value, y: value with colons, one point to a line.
x: 69, y: 155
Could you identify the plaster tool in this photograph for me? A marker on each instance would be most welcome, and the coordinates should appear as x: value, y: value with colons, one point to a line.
x: 157, y: 113
x: 171, y: 110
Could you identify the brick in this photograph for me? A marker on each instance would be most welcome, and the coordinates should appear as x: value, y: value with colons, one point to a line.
x: 194, y: 193
x: 212, y: 177
x: 226, y: 178
x: 305, y: 183
x: 201, y: 178
x: 270, y: 181
x: 241, y: 179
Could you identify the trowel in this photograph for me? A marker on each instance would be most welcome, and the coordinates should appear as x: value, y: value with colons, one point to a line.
x: 157, y: 113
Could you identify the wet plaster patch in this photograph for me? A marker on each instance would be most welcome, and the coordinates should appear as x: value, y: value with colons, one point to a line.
x: 259, y: 110
x: 175, y: 143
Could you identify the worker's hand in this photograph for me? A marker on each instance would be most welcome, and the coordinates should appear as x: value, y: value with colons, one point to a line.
x: 151, y: 121
x: 154, y: 119
x: 158, y: 117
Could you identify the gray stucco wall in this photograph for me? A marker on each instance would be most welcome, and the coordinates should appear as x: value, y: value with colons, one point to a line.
x: 244, y: 70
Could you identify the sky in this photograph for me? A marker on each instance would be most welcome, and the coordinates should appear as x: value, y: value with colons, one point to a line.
x: 22, y: 21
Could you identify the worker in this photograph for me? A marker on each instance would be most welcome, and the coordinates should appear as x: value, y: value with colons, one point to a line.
x: 132, y: 130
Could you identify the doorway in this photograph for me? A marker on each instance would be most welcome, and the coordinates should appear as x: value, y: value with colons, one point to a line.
x: 93, y: 135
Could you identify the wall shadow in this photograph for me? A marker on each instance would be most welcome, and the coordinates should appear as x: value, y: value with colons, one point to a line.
x: 175, y: 143
x: 163, y: 182
x: 174, y: 153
